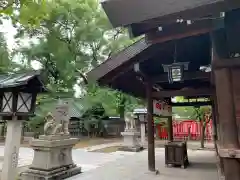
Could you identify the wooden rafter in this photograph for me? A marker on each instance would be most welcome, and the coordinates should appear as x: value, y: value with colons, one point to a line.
x: 226, y: 63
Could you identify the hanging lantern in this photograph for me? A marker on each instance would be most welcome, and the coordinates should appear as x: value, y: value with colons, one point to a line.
x: 175, y: 71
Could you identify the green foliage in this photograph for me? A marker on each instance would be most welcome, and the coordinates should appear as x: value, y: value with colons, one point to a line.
x: 37, y: 125
x: 97, y: 111
x: 26, y: 12
x: 111, y: 100
x: 72, y: 38
x: 191, y: 112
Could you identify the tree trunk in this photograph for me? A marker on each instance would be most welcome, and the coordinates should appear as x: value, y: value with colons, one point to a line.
x: 203, y: 133
x: 121, y: 107
x: 121, y: 111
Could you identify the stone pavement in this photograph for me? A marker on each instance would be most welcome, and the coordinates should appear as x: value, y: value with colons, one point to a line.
x: 135, y: 168
x: 87, y: 160
x: 132, y: 166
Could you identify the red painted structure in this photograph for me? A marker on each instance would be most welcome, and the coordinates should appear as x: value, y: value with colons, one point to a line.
x: 180, y: 130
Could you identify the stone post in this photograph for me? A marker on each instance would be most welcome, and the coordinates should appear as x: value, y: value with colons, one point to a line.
x: 11, y: 150
x: 143, y: 134
x: 142, y: 129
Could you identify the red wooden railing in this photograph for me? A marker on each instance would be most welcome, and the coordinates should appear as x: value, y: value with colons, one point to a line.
x: 180, y: 130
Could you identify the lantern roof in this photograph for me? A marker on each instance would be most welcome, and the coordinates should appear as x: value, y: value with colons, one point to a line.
x: 30, y: 81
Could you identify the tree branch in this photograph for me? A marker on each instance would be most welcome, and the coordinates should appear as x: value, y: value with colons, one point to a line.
x: 82, y: 76
x: 115, y: 36
x: 5, y: 5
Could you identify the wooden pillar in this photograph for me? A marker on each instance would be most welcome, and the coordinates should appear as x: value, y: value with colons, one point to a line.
x: 151, y: 145
x: 214, y: 120
x: 216, y: 136
x: 169, y: 123
x: 226, y: 112
x: 227, y: 120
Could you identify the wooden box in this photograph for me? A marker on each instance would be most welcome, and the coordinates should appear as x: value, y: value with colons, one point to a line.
x: 176, y: 154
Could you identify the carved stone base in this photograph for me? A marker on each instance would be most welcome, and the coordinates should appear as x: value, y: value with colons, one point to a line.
x: 59, y: 173
x: 131, y: 142
x: 52, y: 158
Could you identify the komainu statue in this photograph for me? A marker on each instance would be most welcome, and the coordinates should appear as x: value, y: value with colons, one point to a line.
x: 130, y: 121
x: 52, y: 127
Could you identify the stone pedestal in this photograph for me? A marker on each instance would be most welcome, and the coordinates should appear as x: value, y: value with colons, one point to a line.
x: 131, y: 142
x: 52, y: 158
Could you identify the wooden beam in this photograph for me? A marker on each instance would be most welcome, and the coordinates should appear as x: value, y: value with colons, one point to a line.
x: 226, y: 63
x: 182, y: 30
x: 183, y: 92
x: 150, y: 133
x: 187, y: 76
x: 180, y: 104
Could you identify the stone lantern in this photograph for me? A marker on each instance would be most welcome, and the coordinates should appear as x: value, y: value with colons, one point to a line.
x: 18, y: 94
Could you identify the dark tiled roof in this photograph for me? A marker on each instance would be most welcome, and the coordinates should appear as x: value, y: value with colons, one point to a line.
x: 75, y: 111
x: 17, y: 79
x: 118, y: 59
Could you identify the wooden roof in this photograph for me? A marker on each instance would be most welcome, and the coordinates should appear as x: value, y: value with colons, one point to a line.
x: 118, y: 72
x: 118, y: 59
x: 146, y: 15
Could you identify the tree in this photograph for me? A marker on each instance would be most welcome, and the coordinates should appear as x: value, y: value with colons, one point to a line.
x: 69, y: 41
x: 7, y: 63
x: 75, y: 38
x: 27, y: 12
x: 203, y: 115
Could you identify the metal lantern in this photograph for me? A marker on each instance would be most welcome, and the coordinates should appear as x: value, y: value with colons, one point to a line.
x: 175, y: 71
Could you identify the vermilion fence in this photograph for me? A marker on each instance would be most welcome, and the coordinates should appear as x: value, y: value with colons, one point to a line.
x: 180, y: 130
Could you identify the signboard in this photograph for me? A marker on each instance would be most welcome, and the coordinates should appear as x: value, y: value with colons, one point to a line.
x: 157, y: 107
x: 167, y: 110
x: 161, y: 109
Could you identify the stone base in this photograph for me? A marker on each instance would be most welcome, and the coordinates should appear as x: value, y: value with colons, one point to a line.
x: 60, y: 173
x: 131, y: 142
x: 52, y: 158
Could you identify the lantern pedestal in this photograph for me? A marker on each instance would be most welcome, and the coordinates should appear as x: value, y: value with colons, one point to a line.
x: 131, y: 141
x: 143, y: 134
x: 52, y: 158
x: 11, y: 150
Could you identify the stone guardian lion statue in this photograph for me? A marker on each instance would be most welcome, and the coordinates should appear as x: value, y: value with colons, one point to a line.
x: 52, y: 127
x: 130, y: 121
